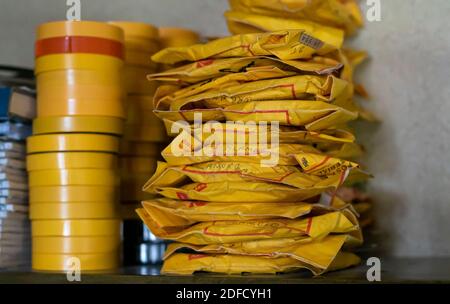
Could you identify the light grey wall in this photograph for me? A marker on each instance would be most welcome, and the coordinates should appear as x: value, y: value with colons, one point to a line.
x: 408, y: 75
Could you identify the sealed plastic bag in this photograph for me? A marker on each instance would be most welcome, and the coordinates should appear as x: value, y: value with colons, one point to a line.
x: 319, y: 254
x: 171, y: 213
x: 286, y: 45
x: 336, y: 13
x: 288, y: 88
x: 333, y: 139
x: 243, y: 23
x: 220, y: 232
x: 214, y: 68
x: 312, y: 115
x: 238, y: 178
x: 185, y: 264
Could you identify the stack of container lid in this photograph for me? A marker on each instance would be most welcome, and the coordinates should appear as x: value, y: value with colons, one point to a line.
x: 144, y: 134
x: 177, y: 36
x: 143, y: 131
x: 72, y: 156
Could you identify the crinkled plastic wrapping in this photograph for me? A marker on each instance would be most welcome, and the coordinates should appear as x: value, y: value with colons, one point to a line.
x: 286, y: 45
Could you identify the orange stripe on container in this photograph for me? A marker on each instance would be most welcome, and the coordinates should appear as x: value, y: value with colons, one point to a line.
x: 79, y: 44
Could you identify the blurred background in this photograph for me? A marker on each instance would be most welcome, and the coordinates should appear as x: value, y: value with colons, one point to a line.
x: 406, y: 77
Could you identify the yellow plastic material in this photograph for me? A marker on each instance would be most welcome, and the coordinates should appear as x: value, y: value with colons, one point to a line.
x: 79, y: 28
x: 177, y: 37
x: 318, y: 254
x: 215, y: 68
x: 80, y: 106
x: 73, y: 177
x: 231, y: 173
x: 72, y: 142
x: 71, y: 160
x: 172, y: 213
x: 139, y: 58
x: 287, y: 88
x: 79, y: 77
x: 238, y: 191
x: 93, y: 62
x: 73, y: 194
x: 287, y: 134
x: 138, y: 29
x: 313, y: 115
x: 140, y: 102
x: 78, y: 124
x: 152, y: 133
x: 220, y: 232
x: 136, y: 164
x: 342, y: 14
x: 132, y: 192
x: 72, y: 211
x: 66, y: 228
x: 136, y: 81
x: 138, y: 115
x: 292, y: 44
x: 67, y: 262
x: 185, y: 264
x: 75, y: 244
x: 244, y: 23
x: 147, y: 149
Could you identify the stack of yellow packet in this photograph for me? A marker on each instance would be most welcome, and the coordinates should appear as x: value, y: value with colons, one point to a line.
x: 221, y: 195
x: 253, y: 16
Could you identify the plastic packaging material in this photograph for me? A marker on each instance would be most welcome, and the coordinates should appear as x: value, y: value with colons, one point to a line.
x: 183, y: 263
x: 262, y: 143
x: 341, y: 14
x: 292, y: 44
x: 203, y: 70
x: 172, y: 213
x: 177, y: 36
x: 221, y: 232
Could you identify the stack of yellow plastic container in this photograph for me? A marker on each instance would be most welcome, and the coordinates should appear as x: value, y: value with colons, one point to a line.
x: 143, y: 131
x: 72, y: 156
x: 259, y: 193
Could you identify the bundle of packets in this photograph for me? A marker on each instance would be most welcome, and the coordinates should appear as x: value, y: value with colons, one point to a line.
x: 14, y: 224
x: 225, y: 196
x: 254, y: 16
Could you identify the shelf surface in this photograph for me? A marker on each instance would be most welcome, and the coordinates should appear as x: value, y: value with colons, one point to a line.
x: 393, y: 270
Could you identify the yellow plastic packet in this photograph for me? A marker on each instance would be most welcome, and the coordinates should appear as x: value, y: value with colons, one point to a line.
x: 229, y: 80
x: 319, y: 254
x: 287, y: 134
x: 220, y: 83
x: 243, y: 23
x: 240, y: 178
x: 323, y: 165
x: 313, y: 115
x: 286, y: 45
x: 220, y: 232
x: 214, y: 68
x: 242, y: 153
x: 171, y: 213
x: 248, y: 191
x: 335, y: 13
x: 186, y: 264
x: 325, y: 88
